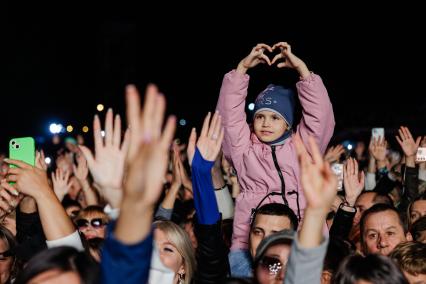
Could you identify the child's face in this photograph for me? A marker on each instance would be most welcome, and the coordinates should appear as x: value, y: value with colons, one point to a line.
x: 268, y: 126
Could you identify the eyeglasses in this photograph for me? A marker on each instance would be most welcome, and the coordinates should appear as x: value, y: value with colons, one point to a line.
x: 95, y: 223
x: 272, y: 265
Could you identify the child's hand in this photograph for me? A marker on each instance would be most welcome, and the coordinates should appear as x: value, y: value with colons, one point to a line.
x: 255, y: 57
x: 290, y: 60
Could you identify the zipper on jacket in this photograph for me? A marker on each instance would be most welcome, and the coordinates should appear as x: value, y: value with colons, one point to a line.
x: 274, y: 157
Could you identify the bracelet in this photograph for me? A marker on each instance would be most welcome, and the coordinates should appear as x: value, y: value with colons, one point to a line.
x: 223, y: 187
x: 348, y: 206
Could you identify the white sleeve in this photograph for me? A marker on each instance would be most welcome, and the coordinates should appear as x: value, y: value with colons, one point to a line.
x: 370, y: 181
x: 72, y: 240
x: 225, y: 203
x: 422, y: 174
x: 112, y: 212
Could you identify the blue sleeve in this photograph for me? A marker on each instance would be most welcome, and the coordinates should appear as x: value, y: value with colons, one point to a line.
x: 121, y: 262
x: 202, y: 186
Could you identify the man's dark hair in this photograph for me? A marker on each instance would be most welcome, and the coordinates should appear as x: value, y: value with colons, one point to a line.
x: 277, y: 209
x: 382, y: 199
x: 63, y: 259
x: 373, y: 268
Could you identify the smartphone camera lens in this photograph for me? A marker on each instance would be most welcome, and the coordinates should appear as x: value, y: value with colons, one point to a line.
x: 17, y: 146
x: 13, y: 142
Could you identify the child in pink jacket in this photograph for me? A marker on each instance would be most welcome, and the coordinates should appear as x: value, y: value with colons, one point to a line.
x: 265, y: 158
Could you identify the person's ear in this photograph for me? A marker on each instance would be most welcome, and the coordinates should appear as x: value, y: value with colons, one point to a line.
x: 409, y: 237
x: 326, y: 277
x: 181, y: 269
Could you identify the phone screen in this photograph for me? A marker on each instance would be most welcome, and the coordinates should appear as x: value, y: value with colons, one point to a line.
x: 421, y: 155
x: 377, y: 133
x: 338, y: 171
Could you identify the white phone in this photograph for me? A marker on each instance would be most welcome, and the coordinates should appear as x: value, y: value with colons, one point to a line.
x: 378, y: 133
x: 338, y: 171
x: 421, y: 154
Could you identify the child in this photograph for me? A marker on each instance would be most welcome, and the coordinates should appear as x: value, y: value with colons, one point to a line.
x: 265, y: 159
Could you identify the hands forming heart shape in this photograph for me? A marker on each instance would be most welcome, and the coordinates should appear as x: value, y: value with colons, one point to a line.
x: 285, y: 56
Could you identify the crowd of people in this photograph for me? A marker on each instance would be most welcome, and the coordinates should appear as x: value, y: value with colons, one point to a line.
x: 242, y: 201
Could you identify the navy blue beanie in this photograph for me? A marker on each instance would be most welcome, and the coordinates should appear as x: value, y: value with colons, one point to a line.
x: 279, y: 100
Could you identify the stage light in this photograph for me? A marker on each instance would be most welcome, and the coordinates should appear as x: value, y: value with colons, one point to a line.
x: 100, y: 107
x: 251, y: 106
x: 85, y: 129
x: 48, y: 160
x: 70, y: 128
x: 350, y: 147
x: 182, y: 122
x: 55, y: 128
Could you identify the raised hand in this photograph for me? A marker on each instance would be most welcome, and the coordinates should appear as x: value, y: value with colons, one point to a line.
x: 61, y: 183
x: 256, y: 56
x: 333, y: 153
x: 290, y: 60
x: 318, y: 181
x: 9, y: 198
x: 81, y: 171
x: 353, y: 181
x: 176, y: 169
x: 320, y: 188
x: 407, y: 143
x: 210, y: 141
x: 377, y: 149
x: 107, y: 166
x: 28, y: 180
x: 40, y: 161
x: 149, y: 145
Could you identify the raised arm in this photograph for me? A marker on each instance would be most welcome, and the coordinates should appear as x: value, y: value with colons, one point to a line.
x: 212, y: 252
x: 127, y: 250
x: 320, y: 188
x: 232, y: 100
x: 107, y: 165
x: 317, y: 111
x: 33, y: 182
x: 81, y: 172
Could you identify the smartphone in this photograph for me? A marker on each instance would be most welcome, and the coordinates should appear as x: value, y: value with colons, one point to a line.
x: 378, y: 133
x: 22, y: 149
x: 421, y: 154
x: 338, y: 171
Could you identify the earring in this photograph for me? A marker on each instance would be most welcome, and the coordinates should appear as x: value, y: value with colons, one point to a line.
x: 181, y: 278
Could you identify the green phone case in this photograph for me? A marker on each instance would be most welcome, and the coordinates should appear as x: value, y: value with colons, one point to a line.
x: 22, y: 149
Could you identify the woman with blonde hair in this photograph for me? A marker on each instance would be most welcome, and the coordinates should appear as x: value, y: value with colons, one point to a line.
x: 175, y: 250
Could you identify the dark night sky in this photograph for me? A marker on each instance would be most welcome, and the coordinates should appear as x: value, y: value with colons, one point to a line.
x: 57, y: 65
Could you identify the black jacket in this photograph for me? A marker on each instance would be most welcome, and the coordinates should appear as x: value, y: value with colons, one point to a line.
x: 211, y: 254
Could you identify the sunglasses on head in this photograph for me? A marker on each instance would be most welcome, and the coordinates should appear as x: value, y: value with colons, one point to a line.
x: 272, y: 265
x: 95, y: 223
